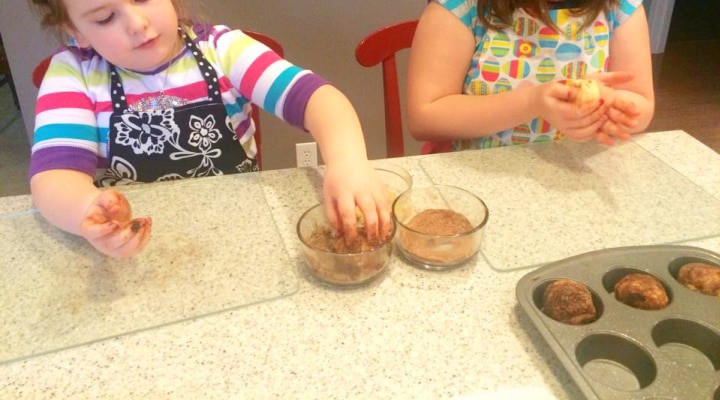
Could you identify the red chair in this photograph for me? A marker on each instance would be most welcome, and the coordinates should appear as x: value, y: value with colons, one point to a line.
x: 39, y: 73
x: 380, y: 47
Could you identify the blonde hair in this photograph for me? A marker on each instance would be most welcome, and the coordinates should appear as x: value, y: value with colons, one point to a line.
x: 54, y: 14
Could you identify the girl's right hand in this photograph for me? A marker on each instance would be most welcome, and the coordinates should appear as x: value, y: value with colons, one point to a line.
x: 109, y: 227
x: 554, y: 102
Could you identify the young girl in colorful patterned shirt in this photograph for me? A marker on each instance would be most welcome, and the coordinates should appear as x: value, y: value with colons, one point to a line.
x: 488, y: 73
x: 141, y: 94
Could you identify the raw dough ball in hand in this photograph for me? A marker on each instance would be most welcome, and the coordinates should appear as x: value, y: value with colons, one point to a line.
x: 588, y: 91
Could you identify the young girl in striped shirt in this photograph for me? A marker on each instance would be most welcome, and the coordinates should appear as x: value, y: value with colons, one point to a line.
x: 140, y: 94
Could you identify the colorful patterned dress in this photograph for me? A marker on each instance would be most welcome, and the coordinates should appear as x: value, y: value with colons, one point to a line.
x: 529, y: 53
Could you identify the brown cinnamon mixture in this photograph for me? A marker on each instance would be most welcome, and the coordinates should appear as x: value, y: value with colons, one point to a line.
x: 439, y: 249
x: 135, y: 226
x: 343, y: 265
x: 325, y: 238
x: 440, y: 222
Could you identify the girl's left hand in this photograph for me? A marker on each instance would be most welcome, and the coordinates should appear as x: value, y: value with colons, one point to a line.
x: 348, y: 185
x: 108, y: 226
x: 622, y: 118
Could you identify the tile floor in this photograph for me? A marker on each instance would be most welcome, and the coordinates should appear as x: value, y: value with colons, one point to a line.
x: 14, y: 147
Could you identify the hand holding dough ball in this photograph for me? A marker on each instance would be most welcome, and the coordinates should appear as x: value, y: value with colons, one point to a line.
x: 588, y: 92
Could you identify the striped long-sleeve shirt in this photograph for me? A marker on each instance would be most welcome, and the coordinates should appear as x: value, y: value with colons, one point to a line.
x: 73, y: 106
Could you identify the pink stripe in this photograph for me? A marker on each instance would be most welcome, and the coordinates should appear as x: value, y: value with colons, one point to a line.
x: 225, y: 84
x: 252, y: 75
x: 57, y: 100
x: 103, y: 106
x: 51, y: 101
x: 191, y: 92
x: 514, y: 69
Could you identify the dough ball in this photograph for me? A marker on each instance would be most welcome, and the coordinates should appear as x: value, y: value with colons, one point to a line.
x: 588, y: 91
x: 641, y: 291
x: 700, y: 277
x: 569, y: 302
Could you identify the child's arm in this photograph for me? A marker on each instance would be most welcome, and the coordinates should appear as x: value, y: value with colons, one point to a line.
x: 634, y: 101
x: 437, y: 110
x: 69, y: 200
x: 349, y: 179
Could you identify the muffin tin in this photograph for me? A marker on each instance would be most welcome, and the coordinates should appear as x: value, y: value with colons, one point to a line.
x: 628, y: 353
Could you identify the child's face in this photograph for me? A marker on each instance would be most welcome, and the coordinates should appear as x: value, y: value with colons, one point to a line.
x: 136, y: 34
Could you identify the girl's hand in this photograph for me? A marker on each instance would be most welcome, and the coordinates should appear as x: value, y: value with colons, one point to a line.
x: 620, y: 113
x: 109, y: 227
x: 348, y: 185
x: 555, y: 103
x: 623, y: 117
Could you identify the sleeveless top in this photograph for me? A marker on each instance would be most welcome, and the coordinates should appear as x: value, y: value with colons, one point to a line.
x: 530, y: 52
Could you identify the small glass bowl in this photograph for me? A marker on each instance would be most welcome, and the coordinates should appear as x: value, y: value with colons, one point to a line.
x: 339, y: 269
x: 396, y: 178
x: 439, y: 227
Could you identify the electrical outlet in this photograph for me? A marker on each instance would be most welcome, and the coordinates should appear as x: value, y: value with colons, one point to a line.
x: 306, y: 154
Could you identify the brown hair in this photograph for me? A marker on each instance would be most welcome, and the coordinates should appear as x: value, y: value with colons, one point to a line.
x: 503, y: 10
x: 54, y: 14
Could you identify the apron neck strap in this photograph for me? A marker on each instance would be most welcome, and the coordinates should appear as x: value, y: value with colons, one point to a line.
x: 209, y: 75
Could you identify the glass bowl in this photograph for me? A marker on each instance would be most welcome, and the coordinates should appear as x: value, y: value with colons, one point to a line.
x: 396, y: 178
x: 331, y: 261
x: 439, y: 227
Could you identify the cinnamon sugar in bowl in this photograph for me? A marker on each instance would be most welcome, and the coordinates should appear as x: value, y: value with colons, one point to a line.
x: 439, y: 227
x: 337, y: 263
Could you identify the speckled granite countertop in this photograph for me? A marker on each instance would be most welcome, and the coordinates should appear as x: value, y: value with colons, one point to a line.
x: 410, y: 334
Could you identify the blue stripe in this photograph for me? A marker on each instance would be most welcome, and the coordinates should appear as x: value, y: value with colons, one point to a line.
x: 467, y: 18
x: 103, y: 133
x: 461, y: 10
x: 278, y: 87
x: 66, y: 131
x: 627, y: 7
x: 233, y: 109
x: 452, y: 4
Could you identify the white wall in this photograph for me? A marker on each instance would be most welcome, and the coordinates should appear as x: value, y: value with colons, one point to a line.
x: 659, y: 14
x: 318, y: 35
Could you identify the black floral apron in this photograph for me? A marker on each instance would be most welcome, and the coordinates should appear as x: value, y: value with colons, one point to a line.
x: 168, y: 142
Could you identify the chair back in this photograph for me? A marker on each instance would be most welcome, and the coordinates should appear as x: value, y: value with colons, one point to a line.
x: 39, y: 73
x: 380, y: 47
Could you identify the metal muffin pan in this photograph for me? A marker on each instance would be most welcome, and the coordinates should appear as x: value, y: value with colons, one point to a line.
x: 629, y: 353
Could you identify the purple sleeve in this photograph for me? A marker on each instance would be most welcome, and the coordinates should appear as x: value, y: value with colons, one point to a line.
x: 298, y: 97
x: 63, y: 158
